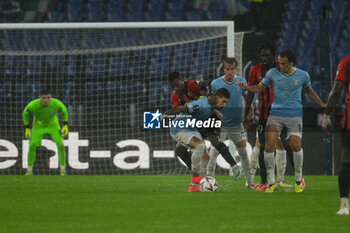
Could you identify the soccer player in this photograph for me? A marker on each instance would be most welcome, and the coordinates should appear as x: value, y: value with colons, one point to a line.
x: 286, y: 111
x: 45, y: 121
x: 188, y: 135
x: 187, y: 91
x: 232, y: 127
x: 341, y: 80
x: 266, y: 53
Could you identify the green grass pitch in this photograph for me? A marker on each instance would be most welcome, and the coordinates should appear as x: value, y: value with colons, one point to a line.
x: 161, y: 204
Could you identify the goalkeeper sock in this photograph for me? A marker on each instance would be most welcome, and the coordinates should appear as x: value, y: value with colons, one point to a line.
x: 30, y: 168
x: 344, y: 180
x: 63, y: 168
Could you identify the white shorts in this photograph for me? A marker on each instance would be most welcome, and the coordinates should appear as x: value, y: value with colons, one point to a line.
x: 234, y: 133
x: 184, y: 137
x: 294, y: 125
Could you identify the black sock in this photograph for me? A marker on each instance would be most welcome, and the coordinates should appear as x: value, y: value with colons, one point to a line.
x: 263, y: 174
x: 223, y: 149
x: 186, y: 157
x: 344, y: 180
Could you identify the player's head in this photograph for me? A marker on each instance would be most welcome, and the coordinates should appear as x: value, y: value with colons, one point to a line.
x: 286, y: 60
x: 230, y: 67
x: 222, y: 97
x: 266, y: 53
x: 45, y: 97
x: 176, y: 81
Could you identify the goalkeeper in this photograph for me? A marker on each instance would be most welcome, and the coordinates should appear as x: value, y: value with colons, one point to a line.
x: 45, y: 121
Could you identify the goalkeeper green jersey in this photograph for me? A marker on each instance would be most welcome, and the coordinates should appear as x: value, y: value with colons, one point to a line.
x: 45, y: 116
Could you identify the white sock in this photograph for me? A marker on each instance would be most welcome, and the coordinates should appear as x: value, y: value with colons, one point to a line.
x: 344, y: 202
x: 270, y: 166
x: 214, y: 153
x: 281, y: 162
x: 298, y: 165
x: 196, y: 158
x: 254, y: 160
x: 245, y: 164
x: 63, y: 168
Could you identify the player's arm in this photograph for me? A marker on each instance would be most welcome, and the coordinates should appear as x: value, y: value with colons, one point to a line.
x: 176, y: 110
x: 249, y: 96
x: 219, y: 115
x: 334, y: 96
x: 64, y: 112
x: 254, y: 88
x: 175, y: 99
x: 333, y: 99
x: 313, y: 95
x: 26, y: 115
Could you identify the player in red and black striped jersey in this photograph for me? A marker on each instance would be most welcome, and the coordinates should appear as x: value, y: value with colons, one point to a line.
x: 342, y: 80
x: 266, y: 53
x: 187, y: 91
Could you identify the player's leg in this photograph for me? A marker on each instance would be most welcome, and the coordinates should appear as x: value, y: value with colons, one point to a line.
x: 254, y: 158
x: 238, y: 135
x: 281, y: 161
x: 263, y: 175
x: 198, y: 155
x: 34, y: 142
x: 344, y: 174
x: 274, y: 126
x: 183, y: 153
x: 58, y: 139
x: 294, y: 132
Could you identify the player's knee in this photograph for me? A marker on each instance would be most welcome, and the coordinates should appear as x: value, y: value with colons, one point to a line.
x: 199, y: 148
x: 241, y: 144
x: 205, y: 156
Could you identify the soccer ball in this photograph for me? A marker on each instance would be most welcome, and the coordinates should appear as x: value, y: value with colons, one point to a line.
x: 208, y: 184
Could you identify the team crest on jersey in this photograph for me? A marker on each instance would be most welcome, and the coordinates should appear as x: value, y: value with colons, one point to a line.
x: 195, y: 108
x: 295, y: 81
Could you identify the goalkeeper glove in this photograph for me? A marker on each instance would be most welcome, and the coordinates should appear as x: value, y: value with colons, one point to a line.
x: 64, y: 130
x: 27, y: 133
x: 326, y: 122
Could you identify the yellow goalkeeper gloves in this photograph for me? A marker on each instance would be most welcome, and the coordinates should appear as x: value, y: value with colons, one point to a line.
x: 64, y: 130
x: 27, y: 133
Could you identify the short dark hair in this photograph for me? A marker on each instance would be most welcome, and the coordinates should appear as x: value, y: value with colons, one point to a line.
x: 268, y: 46
x: 174, y: 75
x: 288, y: 53
x: 231, y: 60
x: 45, y: 91
x: 223, y: 92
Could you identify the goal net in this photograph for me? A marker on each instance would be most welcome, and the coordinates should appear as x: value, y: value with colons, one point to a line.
x: 108, y: 75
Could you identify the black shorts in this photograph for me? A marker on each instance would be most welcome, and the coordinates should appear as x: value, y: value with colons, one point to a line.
x: 345, y: 138
x: 205, y: 132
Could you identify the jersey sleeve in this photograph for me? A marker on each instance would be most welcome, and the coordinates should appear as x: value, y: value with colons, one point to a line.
x: 175, y: 100
x: 26, y: 114
x: 194, y: 106
x: 252, y: 74
x: 267, y: 81
x: 341, y: 72
x: 62, y: 108
x: 193, y: 85
x: 307, y: 81
x: 213, y: 87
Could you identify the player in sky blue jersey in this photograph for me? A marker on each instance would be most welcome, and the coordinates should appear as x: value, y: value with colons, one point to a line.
x: 188, y: 135
x: 232, y: 127
x: 286, y: 111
